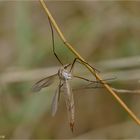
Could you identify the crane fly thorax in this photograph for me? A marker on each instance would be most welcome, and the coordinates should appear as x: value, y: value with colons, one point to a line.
x: 64, y: 74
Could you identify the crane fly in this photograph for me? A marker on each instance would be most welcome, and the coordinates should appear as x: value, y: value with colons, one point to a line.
x: 64, y: 75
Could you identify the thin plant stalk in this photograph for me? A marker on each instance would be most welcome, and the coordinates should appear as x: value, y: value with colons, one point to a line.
x: 70, y: 47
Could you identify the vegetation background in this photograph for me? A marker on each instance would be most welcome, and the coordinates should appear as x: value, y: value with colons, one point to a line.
x: 105, y: 33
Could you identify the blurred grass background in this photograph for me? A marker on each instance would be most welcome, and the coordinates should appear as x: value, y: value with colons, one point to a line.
x: 106, y: 34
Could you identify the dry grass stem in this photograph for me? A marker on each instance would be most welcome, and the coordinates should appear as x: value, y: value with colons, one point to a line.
x: 127, y: 91
x: 29, y: 75
x: 86, y: 64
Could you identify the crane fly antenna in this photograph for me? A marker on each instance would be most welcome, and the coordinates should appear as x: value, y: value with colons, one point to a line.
x: 53, y: 42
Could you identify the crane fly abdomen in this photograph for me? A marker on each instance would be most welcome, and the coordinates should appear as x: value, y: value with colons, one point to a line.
x: 69, y: 103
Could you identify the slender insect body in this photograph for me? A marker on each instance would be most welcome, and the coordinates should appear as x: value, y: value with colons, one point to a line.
x: 65, y: 76
x: 69, y: 102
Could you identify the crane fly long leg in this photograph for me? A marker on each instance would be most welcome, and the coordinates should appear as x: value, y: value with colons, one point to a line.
x: 56, y: 99
x: 93, y: 81
x: 53, y: 43
x: 76, y: 60
x: 69, y: 103
x: 45, y: 82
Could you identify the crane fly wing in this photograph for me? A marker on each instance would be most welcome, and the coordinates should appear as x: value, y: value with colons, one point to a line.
x: 56, y: 99
x: 55, y: 102
x: 69, y: 103
x: 45, y: 82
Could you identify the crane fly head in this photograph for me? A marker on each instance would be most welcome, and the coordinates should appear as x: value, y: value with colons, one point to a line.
x: 63, y: 73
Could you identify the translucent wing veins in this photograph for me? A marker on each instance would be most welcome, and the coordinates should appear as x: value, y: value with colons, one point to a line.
x: 56, y: 99
x: 45, y: 82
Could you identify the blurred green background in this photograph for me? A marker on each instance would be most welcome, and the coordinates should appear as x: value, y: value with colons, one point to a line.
x: 105, y: 33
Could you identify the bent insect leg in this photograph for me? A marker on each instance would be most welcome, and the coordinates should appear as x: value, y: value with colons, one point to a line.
x: 53, y: 43
x: 76, y: 60
x: 91, y: 82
